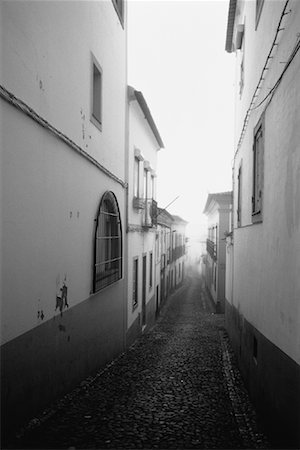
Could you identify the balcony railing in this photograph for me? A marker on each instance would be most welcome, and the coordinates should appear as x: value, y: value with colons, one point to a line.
x: 211, y: 249
x: 150, y: 213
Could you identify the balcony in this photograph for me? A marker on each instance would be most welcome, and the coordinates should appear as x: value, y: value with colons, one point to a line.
x: 211, y: 249
x: 150, y: 213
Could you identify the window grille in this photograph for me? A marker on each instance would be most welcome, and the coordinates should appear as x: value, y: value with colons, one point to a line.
x: 108, y: 243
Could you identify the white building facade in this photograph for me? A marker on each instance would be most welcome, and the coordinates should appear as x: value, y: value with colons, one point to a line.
x: 63, y: 110
x: 178, y: 251
x: 262, y: 308
x: 217, y: 209
x: 144, y: 142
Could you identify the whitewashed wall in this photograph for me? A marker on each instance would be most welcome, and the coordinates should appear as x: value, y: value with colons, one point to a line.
x: 266, y: 255
x: 46, y: 62
x: 51, y: 194
x: 140, y: 241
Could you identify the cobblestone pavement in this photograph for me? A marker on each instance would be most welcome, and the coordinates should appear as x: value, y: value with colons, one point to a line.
x: 176, y: 387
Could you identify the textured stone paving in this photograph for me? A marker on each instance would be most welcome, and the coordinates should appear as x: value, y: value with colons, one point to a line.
x: 176, y: 387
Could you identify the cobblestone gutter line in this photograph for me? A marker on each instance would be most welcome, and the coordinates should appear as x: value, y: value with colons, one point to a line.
x: 244, y: 413
x: 60, y: 403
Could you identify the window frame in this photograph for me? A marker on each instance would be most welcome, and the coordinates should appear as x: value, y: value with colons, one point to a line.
x: 258, y: 171
x: 97, y: 121
x: 145, y: 183
x: 111, y: 246
x: 136, y: 180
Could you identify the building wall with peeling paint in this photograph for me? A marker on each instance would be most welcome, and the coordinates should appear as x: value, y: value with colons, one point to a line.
x: 55, y: 167
x: 263, y: 314
x: 50, y: 44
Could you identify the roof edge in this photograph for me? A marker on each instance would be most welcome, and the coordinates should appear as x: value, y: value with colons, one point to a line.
x: 144, y: 107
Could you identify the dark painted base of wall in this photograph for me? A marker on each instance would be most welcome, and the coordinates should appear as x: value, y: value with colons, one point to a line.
x: 135, y: 330
x: 272, y: 378
x: 217, y: 305
x: 45, y: 363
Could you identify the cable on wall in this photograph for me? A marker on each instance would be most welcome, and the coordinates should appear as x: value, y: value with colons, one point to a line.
x: 261, y: 79
x: 21, y: 106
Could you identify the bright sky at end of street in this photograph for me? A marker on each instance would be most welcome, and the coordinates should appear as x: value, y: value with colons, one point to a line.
x: 177, y: 58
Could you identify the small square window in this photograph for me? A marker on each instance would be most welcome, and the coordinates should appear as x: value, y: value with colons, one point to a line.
x: 96, y: 106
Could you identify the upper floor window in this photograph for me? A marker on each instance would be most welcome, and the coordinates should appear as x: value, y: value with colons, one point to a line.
x: 119, y: 7
x: 96, y: 97
x: 145, y: 183
x: 108, y: 243
x: 152, y: 187
x: 136, y: 185
x: 258, y: 168
x: 258, y: 8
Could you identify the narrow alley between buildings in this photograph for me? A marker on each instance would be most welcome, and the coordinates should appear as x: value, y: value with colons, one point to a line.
x: 176, y: 387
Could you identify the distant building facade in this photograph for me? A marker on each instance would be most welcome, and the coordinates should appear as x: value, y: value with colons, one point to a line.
x: 178, y: 261
x: 143, y: 284
x: 262, y: 307
x: 163, y: 251
x: 63, y: 104
x: 217, y: 209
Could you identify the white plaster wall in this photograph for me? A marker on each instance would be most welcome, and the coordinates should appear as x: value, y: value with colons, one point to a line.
x: 257, y: 44
x: 140, y: 138
x: 140, y: 244
x: 51, y: 194
x: 46, y: 51
x: 223, y: 227
x: 50, y: 200
x: 143, y: 241
x: 266, y: 255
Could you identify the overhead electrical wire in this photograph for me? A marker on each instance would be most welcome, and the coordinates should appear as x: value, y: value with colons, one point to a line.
x: 265, y: 68
x: 273, y: 89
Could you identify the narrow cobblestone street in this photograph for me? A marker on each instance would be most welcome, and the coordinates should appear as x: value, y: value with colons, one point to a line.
x: 176, y: 387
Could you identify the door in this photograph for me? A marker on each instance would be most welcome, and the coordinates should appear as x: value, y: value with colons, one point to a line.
x: 144, y: 290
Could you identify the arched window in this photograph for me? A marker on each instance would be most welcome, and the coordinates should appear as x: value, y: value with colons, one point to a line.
x: 108, y: 243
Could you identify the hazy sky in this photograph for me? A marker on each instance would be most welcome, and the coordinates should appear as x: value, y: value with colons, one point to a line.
x: 177, y: 58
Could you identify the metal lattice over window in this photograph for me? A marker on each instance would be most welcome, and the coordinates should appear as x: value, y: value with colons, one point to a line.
x: 108, y: 243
